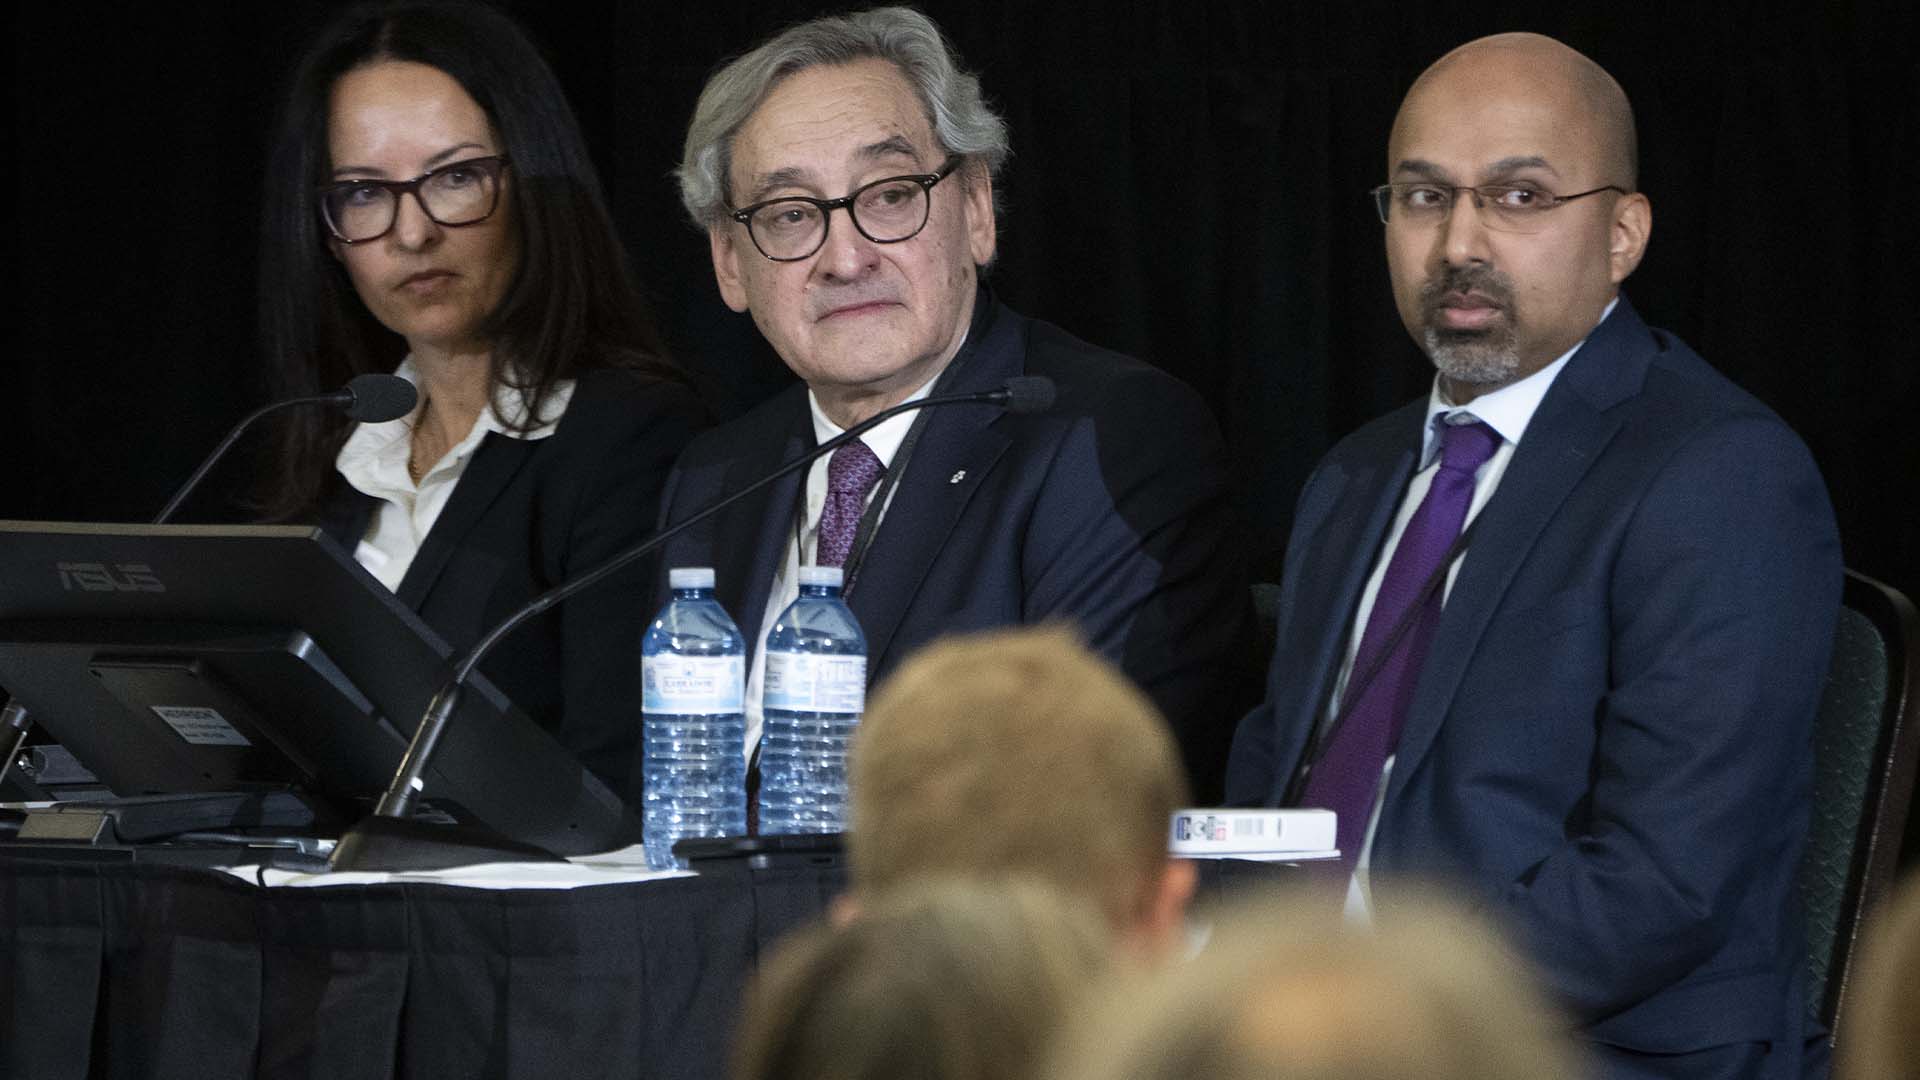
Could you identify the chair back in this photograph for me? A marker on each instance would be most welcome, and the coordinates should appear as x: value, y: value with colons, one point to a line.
x: 1866, y: 741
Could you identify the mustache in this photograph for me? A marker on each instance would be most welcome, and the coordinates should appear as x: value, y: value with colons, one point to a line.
x: 835, y: 299
x: 1478, y: 278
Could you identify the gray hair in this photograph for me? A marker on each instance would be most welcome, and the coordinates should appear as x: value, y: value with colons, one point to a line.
x: 959, y: 116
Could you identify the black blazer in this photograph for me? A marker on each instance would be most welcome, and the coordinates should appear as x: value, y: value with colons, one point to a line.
x: 529, y: 514
x: 1110, y: 511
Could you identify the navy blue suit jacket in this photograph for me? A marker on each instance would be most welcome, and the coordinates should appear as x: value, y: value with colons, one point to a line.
x: 1610, y: 745
x: 1110, y: 510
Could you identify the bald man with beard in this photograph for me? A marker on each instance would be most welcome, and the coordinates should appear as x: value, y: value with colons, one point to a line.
x: 1555, y: 633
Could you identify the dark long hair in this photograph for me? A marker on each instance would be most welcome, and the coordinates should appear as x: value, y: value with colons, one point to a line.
x: 573, y: 304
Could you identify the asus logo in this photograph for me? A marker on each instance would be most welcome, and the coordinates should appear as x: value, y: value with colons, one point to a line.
x: 99, y: 577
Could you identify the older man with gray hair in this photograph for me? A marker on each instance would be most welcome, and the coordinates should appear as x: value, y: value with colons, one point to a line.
x: 1109, y: 510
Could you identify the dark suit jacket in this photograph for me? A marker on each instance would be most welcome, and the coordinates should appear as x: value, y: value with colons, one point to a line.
x: 1110, y: 510
x: 527, y: 515
x: 1610, y: 744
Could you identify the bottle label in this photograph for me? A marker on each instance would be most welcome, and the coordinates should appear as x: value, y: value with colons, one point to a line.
x: 808, y: 682
x: 692, y: 685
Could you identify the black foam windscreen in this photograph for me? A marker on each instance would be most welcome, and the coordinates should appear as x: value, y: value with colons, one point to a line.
x: 379, y: 398
x: 1029, y: 394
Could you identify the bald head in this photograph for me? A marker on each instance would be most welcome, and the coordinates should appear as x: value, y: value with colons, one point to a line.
x: 1493, y: 293
x: 1538, y: 65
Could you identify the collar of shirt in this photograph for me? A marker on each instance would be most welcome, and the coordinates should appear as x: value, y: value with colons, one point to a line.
x: 884, y: 440
x: 374, y: 457
x: 1507, y: 410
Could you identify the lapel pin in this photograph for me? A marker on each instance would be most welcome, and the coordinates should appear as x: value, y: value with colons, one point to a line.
x: 957, y: 477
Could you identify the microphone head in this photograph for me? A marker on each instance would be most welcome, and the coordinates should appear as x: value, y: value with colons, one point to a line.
x: 1029, y: 394
x: 377, y: 399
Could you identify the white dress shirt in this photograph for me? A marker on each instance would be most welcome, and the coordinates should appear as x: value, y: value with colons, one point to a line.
x: 885, y: 442
x: 1507, y: 411
x: 374, y: 460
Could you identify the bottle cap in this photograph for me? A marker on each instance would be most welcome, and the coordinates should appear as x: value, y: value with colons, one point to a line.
x: 690, y: 577
x: 830, y: 576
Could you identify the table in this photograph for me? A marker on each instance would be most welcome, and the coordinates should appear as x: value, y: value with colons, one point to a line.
x: 140, y: 970
x: 112, y: 970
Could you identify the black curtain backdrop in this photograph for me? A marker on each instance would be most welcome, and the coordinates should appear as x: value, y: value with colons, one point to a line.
x: 1186, y: 185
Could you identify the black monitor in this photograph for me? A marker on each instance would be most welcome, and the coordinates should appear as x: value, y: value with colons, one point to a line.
x: 192, y: 658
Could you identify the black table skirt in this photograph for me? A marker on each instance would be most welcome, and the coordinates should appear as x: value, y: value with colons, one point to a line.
x: 112, y: 970
x: 151, y: 971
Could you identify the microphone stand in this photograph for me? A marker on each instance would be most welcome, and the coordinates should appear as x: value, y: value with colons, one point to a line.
x: 233, y: 436
x: 14, y: 727
x: 371, y: 397
x: 389, y: 839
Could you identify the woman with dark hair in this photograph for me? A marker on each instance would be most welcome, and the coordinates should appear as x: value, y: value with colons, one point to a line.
x: 431, y: 210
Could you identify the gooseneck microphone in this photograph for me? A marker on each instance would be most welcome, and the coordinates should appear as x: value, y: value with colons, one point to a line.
x: 388, y: 840
x: 371, y: 399
x: 1020, y: 394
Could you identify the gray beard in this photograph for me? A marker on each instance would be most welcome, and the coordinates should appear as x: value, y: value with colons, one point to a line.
x: 1479, y: 358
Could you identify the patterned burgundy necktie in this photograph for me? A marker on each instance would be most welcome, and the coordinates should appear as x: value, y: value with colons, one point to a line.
x: 1348, y: 774
x: 851, y: 473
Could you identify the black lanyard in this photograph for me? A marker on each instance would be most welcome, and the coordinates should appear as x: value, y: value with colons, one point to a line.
x: 889, y: 479
x: 870, y: 517
x: 1362, y: 678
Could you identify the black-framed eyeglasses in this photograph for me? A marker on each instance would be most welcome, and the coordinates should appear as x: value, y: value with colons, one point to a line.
x: 458, y: 193
x: 1516, y: 208
x: 886, y: 211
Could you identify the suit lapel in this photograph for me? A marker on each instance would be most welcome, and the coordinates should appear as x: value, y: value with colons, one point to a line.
x: 744, y: 570
x: 1567, y: 434
x: 925, y: 508
x: 495, y: 463
x: 964, y: 441
x: 1337, y: 557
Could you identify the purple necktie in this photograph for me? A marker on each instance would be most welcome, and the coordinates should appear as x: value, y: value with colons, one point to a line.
x: 851, y: 473
x: 1348, y: 774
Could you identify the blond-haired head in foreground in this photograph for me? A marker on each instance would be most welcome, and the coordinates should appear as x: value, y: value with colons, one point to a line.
x: 1020, y: 752
x: 943, y: 980
x: 1287, y: 987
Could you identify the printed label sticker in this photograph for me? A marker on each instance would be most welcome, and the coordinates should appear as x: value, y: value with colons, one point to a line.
x: 200, y: 726
x: 692, y: 685
x: 804, y: 682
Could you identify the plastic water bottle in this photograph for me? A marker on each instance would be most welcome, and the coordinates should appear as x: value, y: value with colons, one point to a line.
x: 815, y: 690
x: 693, y: 680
